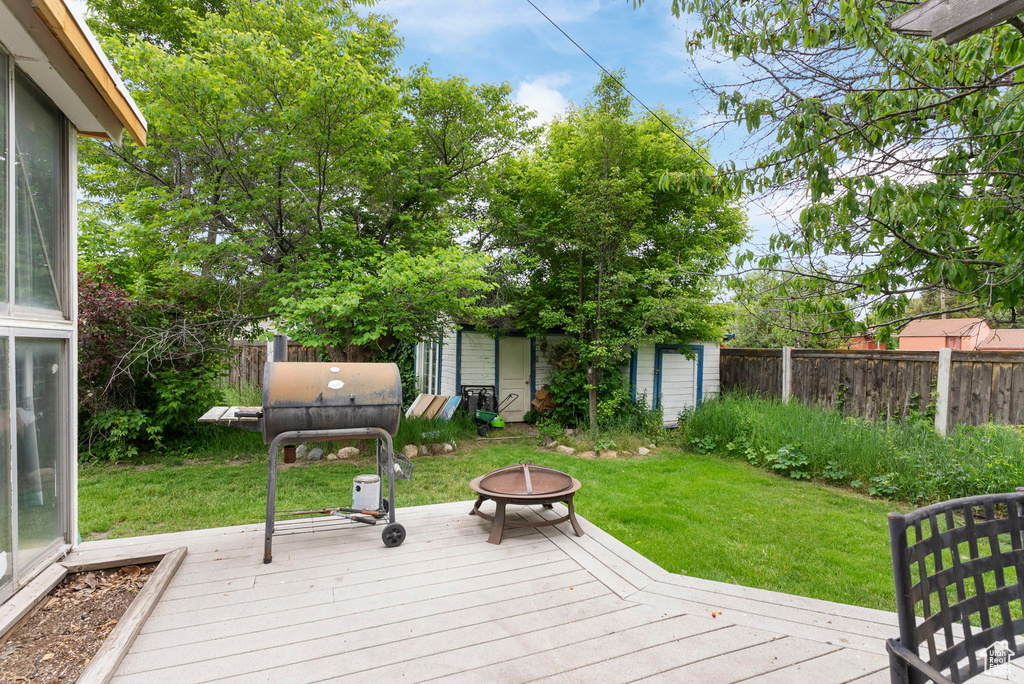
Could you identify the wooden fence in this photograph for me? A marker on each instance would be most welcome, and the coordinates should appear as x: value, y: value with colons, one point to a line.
x: 245, y: 366
x: 962, y: 388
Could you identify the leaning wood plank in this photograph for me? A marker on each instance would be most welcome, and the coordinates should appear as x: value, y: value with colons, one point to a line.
x: 24, y: 602
x: 100, y: 669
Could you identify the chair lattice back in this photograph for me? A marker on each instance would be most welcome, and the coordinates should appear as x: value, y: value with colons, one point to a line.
x: 958, y: 567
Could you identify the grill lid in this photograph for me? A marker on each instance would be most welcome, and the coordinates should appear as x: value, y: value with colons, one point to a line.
x: 526, y: 479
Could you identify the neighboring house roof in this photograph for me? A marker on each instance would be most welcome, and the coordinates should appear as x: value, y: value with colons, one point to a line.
x: 1004, y: 339
x: 55, y: 48
x: 944, y: 327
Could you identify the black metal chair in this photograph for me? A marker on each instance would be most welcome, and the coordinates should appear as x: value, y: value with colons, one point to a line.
x: 960, y: 566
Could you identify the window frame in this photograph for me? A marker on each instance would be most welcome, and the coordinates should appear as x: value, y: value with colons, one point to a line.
x: 18, y: 322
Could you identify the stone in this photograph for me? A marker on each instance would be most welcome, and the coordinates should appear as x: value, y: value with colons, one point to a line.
x: 570, y: 432
x: 437, y: 449
x: 448, y: 448
x: 546, y: 441
x: 553, y: 444
x: 424, y: 451
x: 348, y: 452
x: 332, y: 456
x: 652, y: 447
x: 588, y: 454
x: 300, y: 451
x: 567, y: 450
x: 627, y: 454
x: 315, y: 454
x: 609, y: 453
x: 410, y: 451
x: 643, y: 451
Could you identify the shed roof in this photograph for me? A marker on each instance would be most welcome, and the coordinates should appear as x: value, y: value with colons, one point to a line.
x: 1006, y: 338
x: 943, y: 327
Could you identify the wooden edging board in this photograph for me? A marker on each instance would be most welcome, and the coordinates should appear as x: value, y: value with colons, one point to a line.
x: 100, y: 669
x: 29, y: 597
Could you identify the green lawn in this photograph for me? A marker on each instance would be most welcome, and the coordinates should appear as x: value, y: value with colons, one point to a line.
x: 700, y: 515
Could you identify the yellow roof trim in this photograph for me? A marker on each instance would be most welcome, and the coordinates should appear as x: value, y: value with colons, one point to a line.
x: 66, y: 29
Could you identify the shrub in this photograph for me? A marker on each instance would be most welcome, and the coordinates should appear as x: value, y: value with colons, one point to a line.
x: 898, y: 460
x: 147, y: 370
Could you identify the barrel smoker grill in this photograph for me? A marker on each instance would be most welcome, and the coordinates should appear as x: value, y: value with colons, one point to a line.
x: 315, y: 402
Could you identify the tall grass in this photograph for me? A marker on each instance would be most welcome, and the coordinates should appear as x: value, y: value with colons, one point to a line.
x: 906, y: 461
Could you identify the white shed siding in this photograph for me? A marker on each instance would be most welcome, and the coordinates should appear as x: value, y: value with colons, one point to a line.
x: 477, y: 358
x: 645, y: 374
x: 678, y: 385
x: 712, y: 364
x: 448, y: 364
x: 542, y: 366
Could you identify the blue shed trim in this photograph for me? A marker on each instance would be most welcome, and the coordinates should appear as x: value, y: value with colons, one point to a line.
x: 660, y: 350
x: 633, y: 362
x: 458, y: 362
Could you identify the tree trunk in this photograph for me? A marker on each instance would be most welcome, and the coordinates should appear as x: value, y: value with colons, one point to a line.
x: 593, y: 378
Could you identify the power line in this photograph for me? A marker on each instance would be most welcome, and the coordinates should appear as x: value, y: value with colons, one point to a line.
x: 622, y: 85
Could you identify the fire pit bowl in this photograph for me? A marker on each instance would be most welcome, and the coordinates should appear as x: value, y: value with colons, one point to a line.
x: 525, y: 484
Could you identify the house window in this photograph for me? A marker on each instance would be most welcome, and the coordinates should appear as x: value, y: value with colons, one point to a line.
x: 37, y: 329
x: 39, y: 173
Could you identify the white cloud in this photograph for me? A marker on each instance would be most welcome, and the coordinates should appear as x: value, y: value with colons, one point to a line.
x: 542, y: 95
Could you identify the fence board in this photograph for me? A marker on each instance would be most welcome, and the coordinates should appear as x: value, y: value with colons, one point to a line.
x: 985, y: 386
x: 245, y: 365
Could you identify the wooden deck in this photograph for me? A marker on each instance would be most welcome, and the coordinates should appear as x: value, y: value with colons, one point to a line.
x: 543, y: 606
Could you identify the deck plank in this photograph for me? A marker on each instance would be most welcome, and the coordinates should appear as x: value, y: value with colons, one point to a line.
x: 336, y: 605
x: 337, y: 634
x: 835, y: 667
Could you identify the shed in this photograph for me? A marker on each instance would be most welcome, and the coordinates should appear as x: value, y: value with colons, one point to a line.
x: 667, y: 376
x: 944, y: 333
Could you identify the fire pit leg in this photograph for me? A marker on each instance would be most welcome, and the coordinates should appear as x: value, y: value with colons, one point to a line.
x: 572, y: 518
x: 476, y: 506
x: 499, y: 522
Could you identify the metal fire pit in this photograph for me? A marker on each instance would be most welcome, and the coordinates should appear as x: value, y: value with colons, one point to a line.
x: 318, y: 402
x: 525, y: 484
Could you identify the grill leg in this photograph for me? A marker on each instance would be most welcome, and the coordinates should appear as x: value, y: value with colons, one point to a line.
x: 268, y: 530
x: 572, y: 518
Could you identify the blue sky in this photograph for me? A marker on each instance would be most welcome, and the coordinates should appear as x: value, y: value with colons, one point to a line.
x: 509, y: 41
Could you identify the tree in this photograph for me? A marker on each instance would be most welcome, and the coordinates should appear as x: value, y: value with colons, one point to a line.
x: 909, y: 150
x: 291, y: 168
x: 597, y: 250
x: 771, y: 311
x: 163, y: 22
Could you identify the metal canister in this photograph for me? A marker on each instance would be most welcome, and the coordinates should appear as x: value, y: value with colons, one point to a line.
x: 366, y: 492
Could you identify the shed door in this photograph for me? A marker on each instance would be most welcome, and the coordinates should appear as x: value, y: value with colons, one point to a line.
x: 514, y: 377
x: 677, y: 383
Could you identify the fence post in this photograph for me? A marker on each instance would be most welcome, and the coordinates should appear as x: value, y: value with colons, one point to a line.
x: 787, y: 374
x: 942, y: 388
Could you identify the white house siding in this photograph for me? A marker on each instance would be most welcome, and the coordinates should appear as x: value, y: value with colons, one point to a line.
x: 477, y: 358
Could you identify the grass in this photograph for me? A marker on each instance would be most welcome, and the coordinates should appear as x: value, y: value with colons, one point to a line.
x: 904, y: 461
x: 701, y: 515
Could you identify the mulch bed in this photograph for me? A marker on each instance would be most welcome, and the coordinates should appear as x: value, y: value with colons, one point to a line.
x: 58, y: 641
